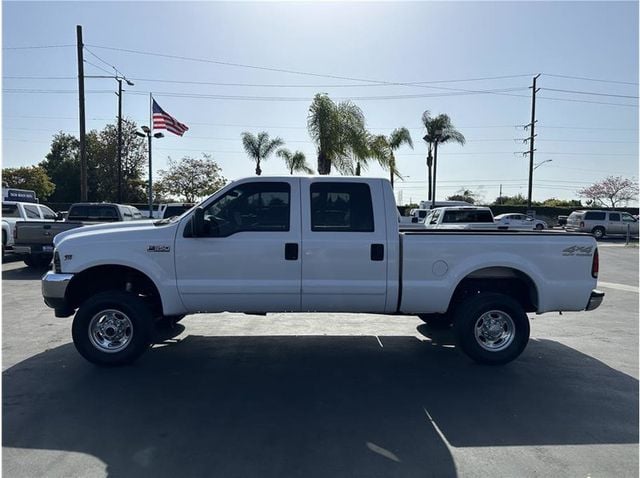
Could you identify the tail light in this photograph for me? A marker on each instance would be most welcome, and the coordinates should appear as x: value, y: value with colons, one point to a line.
x: 15, y: 233
x: 595, y: 265
x: 581, y: 224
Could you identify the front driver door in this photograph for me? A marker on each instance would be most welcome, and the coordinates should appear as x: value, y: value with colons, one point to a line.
x: 248, y: 260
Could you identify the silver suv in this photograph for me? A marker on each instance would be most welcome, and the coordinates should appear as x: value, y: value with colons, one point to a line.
x: 602, y: 223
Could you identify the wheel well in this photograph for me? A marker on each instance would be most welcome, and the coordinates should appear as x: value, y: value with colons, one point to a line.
x: 113, y: 277
x: 504, y: 280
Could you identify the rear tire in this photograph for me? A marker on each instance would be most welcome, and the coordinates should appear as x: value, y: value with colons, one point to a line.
x: 598, y: 232
x: 491, y: 328
x: 112, y: 328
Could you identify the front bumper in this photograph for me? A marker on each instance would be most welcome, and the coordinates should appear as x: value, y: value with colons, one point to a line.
x: 54, y: 288
x: 595, y: 299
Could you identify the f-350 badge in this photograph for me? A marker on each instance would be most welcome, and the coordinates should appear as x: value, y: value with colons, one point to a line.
x: 157, y: 248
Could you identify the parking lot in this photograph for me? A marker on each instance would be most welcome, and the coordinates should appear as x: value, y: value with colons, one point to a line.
x: 326, y: 395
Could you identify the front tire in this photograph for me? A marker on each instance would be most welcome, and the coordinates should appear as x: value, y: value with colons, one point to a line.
x: 491, y: 328
x: 539, y: 227
x: 112, y: 328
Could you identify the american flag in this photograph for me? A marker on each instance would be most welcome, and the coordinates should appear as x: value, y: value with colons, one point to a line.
x: 163, y: 120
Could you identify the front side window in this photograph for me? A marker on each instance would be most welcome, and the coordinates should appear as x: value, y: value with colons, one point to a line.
x: 250, y: 207
x: 47, y: 213
x: 32, y: 212
x: 628, y: 218
x: 341, y: 207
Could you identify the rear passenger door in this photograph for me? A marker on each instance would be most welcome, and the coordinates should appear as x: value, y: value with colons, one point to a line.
x: 344, y: 246
x: 615, y: 223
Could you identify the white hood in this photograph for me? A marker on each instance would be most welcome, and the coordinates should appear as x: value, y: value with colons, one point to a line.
x: 101, y: 227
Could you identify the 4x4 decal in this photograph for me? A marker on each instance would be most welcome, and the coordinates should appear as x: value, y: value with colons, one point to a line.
x: 577, y: 251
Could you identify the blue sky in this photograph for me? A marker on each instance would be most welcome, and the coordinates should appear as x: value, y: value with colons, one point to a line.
x: 387, y: 42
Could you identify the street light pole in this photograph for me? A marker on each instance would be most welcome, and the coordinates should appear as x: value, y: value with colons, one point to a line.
x: 148, y: 134
x: 119, y: 80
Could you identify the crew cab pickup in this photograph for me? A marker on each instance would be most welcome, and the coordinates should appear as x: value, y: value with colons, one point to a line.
x: 34, y: 240
x: 312, y: 244
x: 15, y: 211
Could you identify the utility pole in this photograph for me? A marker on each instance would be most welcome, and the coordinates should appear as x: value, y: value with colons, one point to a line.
x: 83, y: 146
x: 532, y: 138
x: 429, y: 181
x: 435, y: 166
x: 119, y: 140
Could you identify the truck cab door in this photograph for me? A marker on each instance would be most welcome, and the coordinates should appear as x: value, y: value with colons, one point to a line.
x: 344, y: 246
x: 248, y: 256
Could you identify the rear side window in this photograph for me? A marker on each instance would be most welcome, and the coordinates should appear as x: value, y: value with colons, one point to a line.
x: 595, y: 216
x: 341, y: 207
x: 614, y: 216
x: 93, y: 212
x: 451, y: 217
x: 32, y: 212
x: 10, y: 210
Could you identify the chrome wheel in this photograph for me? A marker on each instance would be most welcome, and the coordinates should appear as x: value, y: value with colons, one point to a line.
x: 494, y: 330
x: 110, y: 331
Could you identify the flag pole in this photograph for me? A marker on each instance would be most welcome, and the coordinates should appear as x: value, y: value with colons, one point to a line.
x: 150, y: 134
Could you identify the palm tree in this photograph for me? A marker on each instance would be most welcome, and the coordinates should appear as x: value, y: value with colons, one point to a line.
x: 337, y: 130
x: 260, y: 147
x: 383, y: 148
x: 440, y: 130
x: 296, y: 162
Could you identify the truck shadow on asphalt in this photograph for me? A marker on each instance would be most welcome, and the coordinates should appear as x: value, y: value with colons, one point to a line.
x: 307, y: 406
x: 24, y: 273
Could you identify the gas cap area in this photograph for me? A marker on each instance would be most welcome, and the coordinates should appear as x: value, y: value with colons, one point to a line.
x: 440, y: 268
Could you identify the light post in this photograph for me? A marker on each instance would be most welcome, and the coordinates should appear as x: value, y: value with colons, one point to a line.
x: 534, y: 167
x: 119, y: 79
x: 541, y: 163
x: 147, y: 134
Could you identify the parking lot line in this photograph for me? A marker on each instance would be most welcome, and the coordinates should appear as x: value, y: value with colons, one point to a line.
x: 613, y: 285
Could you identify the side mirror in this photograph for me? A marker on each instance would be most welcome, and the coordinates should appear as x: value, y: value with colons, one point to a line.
x: 59, y: 216
x: 197, y: 222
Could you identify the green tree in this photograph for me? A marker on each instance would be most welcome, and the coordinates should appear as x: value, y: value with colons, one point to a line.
x: 190, y: 178
x: 440, y: 130
x: 62, y: 164
x: 296, y: 162
x: 383, y: 148
x: 259, y: 147
x: 465, y: 195
x: 338, y: 130
x: 33, y: 178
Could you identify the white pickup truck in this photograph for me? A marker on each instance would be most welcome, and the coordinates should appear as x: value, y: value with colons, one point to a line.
x: 462, y: 217
x: 311, y: 244
x: 14, y: 211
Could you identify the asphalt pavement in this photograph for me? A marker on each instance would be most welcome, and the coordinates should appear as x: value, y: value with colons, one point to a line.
x: 324, y: 395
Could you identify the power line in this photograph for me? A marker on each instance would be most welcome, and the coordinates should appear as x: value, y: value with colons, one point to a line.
x: 592, y: 93
x: 98, y: 67
x: 288, y: 71
x: 591, y: 79
x: 586, y: 101
x: 34, y: 47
